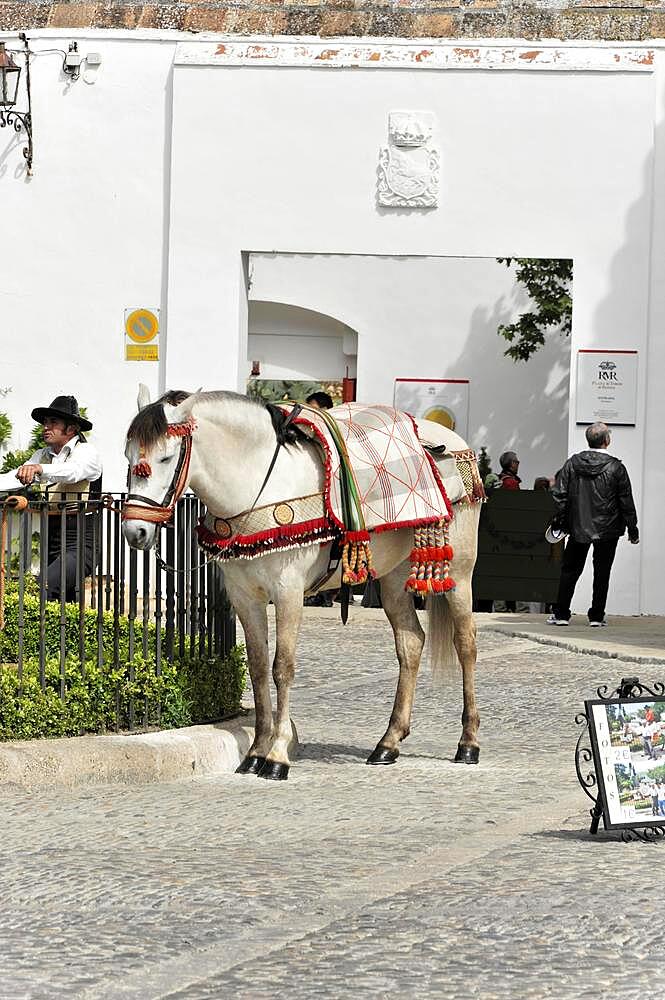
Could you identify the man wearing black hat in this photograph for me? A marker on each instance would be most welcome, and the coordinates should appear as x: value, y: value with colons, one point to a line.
x: 69, y: 469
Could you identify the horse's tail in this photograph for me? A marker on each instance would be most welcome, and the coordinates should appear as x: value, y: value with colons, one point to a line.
x: 440, y: 641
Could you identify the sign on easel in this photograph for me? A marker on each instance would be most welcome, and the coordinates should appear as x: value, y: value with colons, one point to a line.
x: 626, y: 730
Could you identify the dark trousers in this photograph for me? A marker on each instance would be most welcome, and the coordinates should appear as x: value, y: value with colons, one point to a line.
x: 574, y: 558
x: 54, y: 574
x: 56, y: 559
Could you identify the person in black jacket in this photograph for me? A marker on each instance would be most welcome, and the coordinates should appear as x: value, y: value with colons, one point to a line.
x: 595, y: 505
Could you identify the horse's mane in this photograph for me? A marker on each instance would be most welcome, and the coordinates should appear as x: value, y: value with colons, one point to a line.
x: 150, y: 424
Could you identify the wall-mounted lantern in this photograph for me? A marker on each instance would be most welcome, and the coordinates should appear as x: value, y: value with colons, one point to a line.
x: 9, y: 78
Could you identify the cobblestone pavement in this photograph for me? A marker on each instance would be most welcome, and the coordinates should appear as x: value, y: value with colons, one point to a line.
x: 422, y: 879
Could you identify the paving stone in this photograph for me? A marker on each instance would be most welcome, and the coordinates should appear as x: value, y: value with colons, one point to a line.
x: 422, y: 879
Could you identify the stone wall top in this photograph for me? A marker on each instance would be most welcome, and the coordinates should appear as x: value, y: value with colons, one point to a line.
x: 611, y: 20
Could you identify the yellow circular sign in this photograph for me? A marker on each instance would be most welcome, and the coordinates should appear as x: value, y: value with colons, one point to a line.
x: 441, y: 415
x: 142, y: 326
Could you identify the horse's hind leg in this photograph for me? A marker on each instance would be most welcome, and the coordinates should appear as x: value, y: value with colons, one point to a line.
x: 254, y: 620
x: 288, y: 615
x: 409, y: 641
x: 460, y: 603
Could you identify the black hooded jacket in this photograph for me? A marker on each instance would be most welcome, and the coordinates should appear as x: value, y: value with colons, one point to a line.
x: 593, y: 498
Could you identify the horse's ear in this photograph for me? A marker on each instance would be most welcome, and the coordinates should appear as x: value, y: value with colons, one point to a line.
x: 180, y: 413
x: 143, y: 398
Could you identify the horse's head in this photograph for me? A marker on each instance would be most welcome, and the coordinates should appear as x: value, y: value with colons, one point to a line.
x: 159, y: 443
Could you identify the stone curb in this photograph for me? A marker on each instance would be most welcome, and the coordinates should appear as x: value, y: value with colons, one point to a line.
x: 617, y: 653
x: 170, y: 755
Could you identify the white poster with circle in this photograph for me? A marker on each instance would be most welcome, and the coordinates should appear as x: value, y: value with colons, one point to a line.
x: 606, y: 387
x: 443, y: 400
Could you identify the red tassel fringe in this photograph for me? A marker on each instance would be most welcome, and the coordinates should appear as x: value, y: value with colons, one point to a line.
x: 182, y: 430
x: 430, y: 560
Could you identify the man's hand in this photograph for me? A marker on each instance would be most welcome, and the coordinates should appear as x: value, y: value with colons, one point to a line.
x: 26, y: 474
x: 634, y: 537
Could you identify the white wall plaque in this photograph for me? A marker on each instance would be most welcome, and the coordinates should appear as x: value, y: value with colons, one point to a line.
x: 408, y: 175
x: 606, y: 387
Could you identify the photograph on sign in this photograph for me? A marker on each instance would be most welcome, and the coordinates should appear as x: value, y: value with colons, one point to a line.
x: 445, y: 401
x: 628, y: 744
x: 606, y: 387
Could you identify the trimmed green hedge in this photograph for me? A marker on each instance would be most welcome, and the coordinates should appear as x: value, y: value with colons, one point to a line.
x: 193, y: 689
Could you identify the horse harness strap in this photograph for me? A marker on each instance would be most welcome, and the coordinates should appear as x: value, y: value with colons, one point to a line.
x: 159, y: 513
x: 280, y: 441
x: 268, y: 517
x: 155, y: 512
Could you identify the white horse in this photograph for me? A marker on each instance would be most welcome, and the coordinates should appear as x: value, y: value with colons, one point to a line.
x: 221, y: 445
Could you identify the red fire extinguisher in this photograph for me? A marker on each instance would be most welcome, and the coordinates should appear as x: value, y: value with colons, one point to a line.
x: 348, y: 389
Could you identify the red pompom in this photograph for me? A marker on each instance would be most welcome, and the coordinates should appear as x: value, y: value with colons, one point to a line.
x: 449, y: 584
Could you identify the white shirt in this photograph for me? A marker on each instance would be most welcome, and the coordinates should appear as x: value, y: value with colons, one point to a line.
x: 76, y: 462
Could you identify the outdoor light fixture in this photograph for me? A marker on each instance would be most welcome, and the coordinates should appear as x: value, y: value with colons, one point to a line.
x: 73, y: 60
x: 9, y: 77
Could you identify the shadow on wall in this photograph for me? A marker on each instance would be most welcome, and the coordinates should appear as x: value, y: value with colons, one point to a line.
x: 636, y: 584
x: 505, y: 397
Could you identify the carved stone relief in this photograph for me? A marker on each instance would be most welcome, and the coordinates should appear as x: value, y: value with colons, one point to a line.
x: 408, y: 175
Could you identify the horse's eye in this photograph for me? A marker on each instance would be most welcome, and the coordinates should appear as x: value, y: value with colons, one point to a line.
x: 167, y: 458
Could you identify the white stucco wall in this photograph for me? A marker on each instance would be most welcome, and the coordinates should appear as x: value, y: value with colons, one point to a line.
x: 151, y: 183
x: 87, y: 235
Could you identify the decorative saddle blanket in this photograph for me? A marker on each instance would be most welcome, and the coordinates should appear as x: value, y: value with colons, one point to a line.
x: 378, y: 475
x: 378, y: 478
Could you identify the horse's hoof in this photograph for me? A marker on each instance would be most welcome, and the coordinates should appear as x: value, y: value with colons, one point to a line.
x: 467, y: 755
x: 250, y: 765
x: 382, y: 755
x: 274, y: 770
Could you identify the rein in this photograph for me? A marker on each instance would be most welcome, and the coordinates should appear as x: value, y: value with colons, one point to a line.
x: 280, y: 441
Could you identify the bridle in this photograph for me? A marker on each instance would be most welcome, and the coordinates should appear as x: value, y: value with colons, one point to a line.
x: 150, y: 510
x: 161, y: 513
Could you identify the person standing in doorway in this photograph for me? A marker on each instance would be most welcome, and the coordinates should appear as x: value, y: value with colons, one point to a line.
x: 320, y: 400
x: 594, y: 503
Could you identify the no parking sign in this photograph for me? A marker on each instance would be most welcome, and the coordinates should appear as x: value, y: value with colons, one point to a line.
x: 141, y: 334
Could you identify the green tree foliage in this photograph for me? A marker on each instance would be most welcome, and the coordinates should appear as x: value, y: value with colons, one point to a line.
x: 484, y: 463
x: 273, y: 391
x: 5, y: 428
x: 548, y: 283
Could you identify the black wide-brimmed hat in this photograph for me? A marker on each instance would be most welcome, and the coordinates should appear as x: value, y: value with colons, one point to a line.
x: 63, y: 408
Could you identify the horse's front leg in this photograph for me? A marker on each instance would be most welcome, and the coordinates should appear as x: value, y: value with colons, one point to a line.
x: 409, y: 641
x: 288, y: 615
x: 254, y: 620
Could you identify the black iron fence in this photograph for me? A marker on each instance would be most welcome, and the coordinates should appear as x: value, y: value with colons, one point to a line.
x: 111, y: 601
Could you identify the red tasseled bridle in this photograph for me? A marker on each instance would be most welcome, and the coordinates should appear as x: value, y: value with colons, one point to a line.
x: 142, y: 469
x: 148, y: 509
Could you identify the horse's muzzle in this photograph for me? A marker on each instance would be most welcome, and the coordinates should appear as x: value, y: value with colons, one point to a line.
x: 140, y: 534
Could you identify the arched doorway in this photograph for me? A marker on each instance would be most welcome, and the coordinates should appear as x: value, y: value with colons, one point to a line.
x: 292, y: 351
